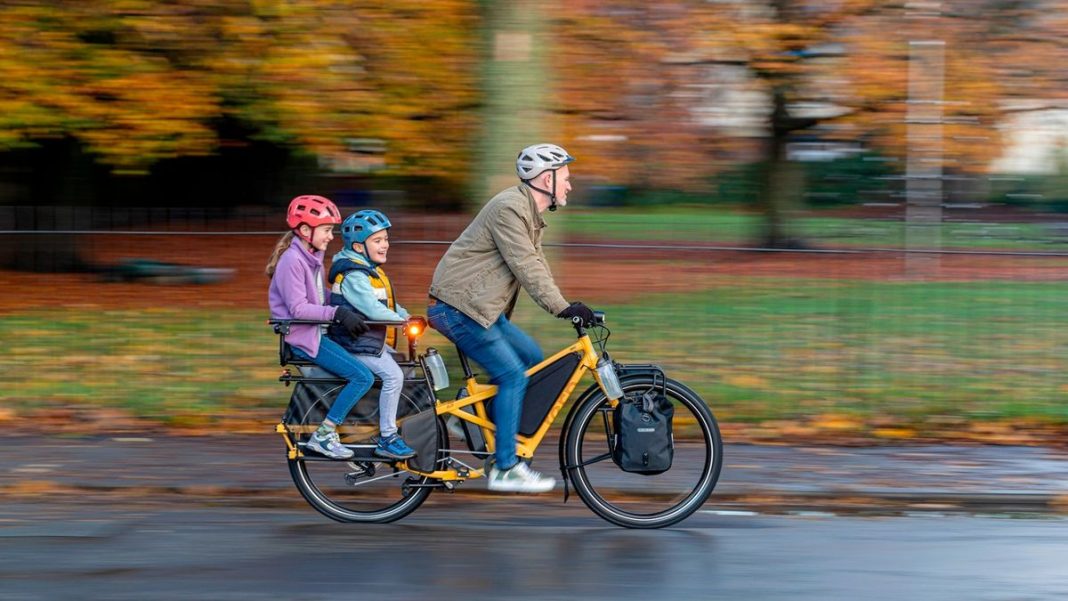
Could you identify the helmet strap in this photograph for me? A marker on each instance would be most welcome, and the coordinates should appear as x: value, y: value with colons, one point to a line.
x: 363, y: 253
x: 307, y: 239
x: 551, y: 195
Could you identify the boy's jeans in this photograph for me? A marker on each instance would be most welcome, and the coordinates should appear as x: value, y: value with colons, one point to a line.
x: 339, y: 362
x: 505, y: 352
x: 385, y: 367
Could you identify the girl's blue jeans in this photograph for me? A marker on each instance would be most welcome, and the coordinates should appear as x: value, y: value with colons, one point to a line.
x: 339, y: 362
x: 503, y: 350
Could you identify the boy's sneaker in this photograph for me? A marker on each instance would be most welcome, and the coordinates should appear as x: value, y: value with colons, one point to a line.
x: 519, y: 478
x: 329, y: 445
x: 394, y: 448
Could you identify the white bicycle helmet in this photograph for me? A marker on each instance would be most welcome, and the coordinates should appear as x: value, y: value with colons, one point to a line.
x: 535, y: 160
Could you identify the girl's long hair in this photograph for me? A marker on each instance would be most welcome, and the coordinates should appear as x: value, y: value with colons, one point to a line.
x: 279, y: 248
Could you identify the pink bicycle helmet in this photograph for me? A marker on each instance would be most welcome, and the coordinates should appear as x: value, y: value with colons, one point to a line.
x: 312, y: 210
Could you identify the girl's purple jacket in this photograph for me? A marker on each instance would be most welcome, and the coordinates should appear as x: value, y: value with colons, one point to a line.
x: 294, y: 295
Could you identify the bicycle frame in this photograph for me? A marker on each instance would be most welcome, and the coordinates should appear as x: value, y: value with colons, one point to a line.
x: 479, y: 394
x: 367, y: 488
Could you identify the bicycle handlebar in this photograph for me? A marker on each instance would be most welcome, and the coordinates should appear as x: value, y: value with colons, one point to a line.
x: 281, y: 326
x: 414, y: 328
x: 328, y: 322
x: 580, y: 326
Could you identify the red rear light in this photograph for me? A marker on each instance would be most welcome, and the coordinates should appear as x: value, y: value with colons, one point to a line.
x: 416, y: 327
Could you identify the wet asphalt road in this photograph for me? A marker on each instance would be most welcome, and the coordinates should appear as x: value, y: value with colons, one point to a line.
x: 517, y: 547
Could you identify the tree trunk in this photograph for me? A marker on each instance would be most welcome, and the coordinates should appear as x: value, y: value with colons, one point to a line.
x: 515, y: 91
x: 781, y: 182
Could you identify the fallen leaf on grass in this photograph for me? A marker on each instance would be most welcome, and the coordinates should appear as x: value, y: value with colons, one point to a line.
x: 745, y: 381
x: 1059, y: 503
x: 837, y: 422
x: 33, y: 488
x: 895, y: 433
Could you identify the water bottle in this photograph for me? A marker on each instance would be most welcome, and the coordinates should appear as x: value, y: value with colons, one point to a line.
x: 435, y: 366
x: 606, y: 372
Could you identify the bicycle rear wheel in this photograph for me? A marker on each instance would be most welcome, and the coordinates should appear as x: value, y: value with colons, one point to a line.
x: 365, y: 488
x: 637, y: 500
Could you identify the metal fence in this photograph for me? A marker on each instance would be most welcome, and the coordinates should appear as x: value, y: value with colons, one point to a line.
x: 842, y: 328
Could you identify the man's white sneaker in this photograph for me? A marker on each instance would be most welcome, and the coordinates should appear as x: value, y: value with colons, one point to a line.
x: 519, y: 478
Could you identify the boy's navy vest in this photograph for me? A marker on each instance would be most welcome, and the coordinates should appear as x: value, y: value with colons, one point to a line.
x: 370, y: 342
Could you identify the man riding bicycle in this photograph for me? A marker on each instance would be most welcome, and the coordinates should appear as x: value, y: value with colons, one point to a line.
x: 475, y: 288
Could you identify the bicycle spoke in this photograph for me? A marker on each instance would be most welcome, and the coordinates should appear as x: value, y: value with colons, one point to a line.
x: 393, y: 474
x: 363, y: 489
x: 644, y: 500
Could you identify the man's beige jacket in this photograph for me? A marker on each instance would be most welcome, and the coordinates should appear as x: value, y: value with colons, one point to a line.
x: 499, y: 252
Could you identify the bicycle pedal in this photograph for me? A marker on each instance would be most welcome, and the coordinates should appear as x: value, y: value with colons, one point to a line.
x: 363, y: 470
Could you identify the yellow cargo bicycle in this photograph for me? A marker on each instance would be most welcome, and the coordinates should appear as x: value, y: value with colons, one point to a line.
x: 372, y: 489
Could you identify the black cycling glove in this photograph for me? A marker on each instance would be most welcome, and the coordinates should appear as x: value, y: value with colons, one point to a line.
x: 577, y: 309
x: 350, y: 321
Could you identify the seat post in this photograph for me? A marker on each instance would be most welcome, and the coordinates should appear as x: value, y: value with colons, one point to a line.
x: 464, y: 364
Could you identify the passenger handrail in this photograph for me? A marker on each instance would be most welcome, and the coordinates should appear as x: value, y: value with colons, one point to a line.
x: 281, y: 327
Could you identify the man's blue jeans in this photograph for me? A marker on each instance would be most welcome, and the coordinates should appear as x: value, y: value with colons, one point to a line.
x: 339, y: 362
x: 503, y: 350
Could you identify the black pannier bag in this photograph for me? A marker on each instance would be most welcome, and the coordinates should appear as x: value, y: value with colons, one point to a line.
x: 643, y: 439
x: 420, y: 431
x: 311, y: 401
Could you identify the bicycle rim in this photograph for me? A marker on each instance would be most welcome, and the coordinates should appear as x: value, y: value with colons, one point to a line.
x: 364, y: 489
x: 342, y: 491
x: 637, y: 500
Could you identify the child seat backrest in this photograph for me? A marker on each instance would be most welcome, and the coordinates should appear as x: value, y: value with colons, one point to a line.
x: 286, y: 356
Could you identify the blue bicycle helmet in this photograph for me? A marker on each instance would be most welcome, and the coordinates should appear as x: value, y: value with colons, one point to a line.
x: 359, y: 226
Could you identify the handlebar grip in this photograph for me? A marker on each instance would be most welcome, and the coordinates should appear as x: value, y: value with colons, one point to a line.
x: 598, y: 318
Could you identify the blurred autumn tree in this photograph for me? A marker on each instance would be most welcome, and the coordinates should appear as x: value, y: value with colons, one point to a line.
x: 138, y: 81
x: 381, y: 86
x: 651, y: 95
x: 671, y: 93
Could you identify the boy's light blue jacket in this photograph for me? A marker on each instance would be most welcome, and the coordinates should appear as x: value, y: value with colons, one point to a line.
x: 361, y: 295
x: 365, y: 288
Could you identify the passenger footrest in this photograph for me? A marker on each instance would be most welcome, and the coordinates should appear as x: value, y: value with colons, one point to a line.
x: 365, y: 452
x: 362, y: 452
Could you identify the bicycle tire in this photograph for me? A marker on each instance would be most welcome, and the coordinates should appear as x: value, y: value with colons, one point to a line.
x: 341, y: 490
x: 664, y: 499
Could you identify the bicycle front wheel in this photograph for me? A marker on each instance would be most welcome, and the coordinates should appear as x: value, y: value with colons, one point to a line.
x: 638, y: 500
x: 366, y: 488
